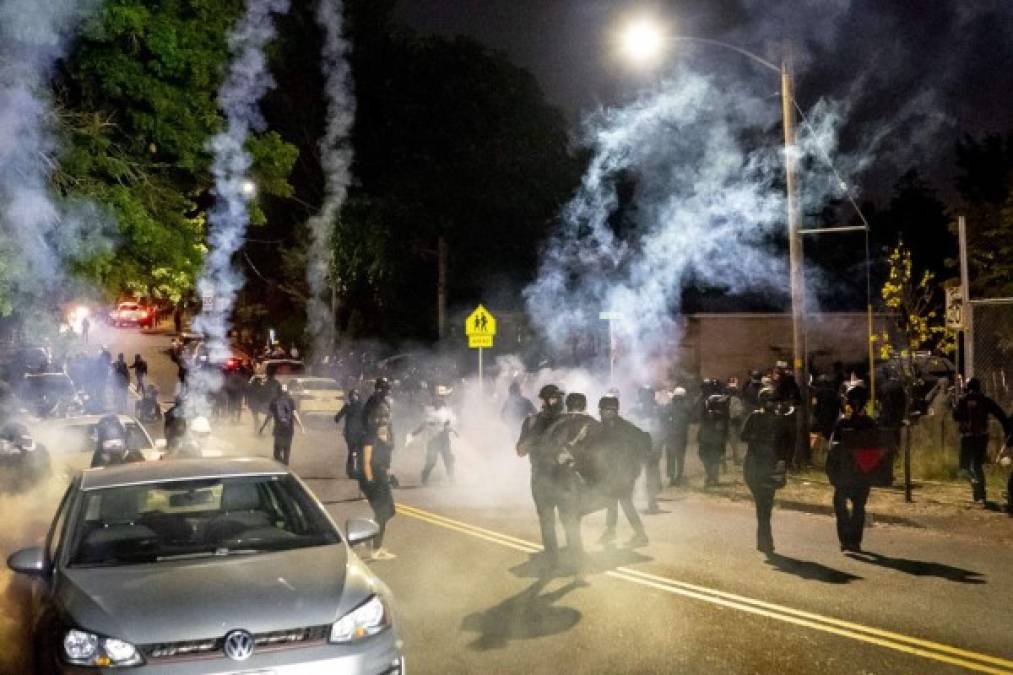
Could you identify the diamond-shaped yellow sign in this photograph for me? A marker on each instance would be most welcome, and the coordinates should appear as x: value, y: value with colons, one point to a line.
x: 480, y: 322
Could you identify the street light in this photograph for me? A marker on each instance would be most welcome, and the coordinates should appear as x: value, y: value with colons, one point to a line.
x: 248, y: 188
x: 644, y: 41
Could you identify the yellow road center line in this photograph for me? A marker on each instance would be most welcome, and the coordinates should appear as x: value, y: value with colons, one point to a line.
x: 884, y: 638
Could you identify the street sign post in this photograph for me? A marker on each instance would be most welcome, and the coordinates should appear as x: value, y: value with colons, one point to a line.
x: 611, y: 317
x: 955, y: 308
x: 480, y: 327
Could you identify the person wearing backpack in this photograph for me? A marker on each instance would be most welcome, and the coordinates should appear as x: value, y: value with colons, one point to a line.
x: 712, y: 437
x: 852, y: 483
x: 971, y: 414
x: 282, y: 412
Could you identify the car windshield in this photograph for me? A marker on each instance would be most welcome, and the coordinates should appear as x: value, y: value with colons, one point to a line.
x: 175, y: 520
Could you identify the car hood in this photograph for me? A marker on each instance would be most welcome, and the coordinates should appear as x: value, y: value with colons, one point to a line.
x: 200, y: 599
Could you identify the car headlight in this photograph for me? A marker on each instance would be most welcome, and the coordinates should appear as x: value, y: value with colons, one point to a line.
x: 367, y: 619
x: 82, y: 648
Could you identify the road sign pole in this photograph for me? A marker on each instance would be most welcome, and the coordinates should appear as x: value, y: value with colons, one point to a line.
x: 481, y: 380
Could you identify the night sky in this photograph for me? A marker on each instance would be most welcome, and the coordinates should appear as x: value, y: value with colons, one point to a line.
x: 913, y: 74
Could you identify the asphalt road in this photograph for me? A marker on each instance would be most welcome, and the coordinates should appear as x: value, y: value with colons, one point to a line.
x: 698, y: 598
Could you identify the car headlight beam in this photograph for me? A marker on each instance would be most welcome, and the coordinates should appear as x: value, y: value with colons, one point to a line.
x: 82, y: 648
x: 367, y: 619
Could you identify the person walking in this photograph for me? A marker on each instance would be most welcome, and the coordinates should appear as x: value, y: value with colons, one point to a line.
x: 848, y: 464
x: 647, y: 415
x: 536, y: 444
x: 971, y: 414
x: 439, y: 422
x: 624, y: 446
x: 140, y: 368
x: 282, y: 412
x: 353, y: 431
x: 714, y: 413
x: 676, y: 422
x: 121, y: 382
x: 374, y: 482
x: 768, y: 451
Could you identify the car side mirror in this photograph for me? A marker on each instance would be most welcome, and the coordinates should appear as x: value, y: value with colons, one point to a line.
x: 360, y: 530
x: 161, y: 443
x: 30, y: 561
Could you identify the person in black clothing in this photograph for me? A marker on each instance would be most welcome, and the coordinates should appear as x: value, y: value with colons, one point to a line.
x: 111, y: 444
x: 377, y: 407
x: 516, y: 408
x: 971, y: 414
x: 550, y: 494
x: 140, y: 368
x: 353, y: 432
x: 282, y: 412
x: 624, y: 446
x: 676, y: 422
x: 765, y: 433
x: 892, y: 402
x: 175, y: 424
x: 374, y: 481
x: 825, y: 411
x: 751, y: 391
x: 648, y: 416
x: 851, y: 483
x: 713, y: 411
x: 121, y: 382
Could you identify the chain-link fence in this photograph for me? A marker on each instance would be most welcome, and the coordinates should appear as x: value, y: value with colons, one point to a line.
x: 992, y: 338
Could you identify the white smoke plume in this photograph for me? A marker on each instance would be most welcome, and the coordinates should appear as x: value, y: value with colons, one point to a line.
x: 336, y: 158
x: 246, y: 84
x: 40, y: 230
x: 708, y: 163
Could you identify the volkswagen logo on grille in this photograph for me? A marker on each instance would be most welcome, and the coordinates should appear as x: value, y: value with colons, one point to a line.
x: 239, y: 645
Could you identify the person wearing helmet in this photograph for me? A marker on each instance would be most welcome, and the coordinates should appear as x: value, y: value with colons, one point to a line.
x: 375, y: 479
x: 647, y: 415
x: 175, y: 424
x: 353, y: 432
x: 624, y: 447
x: 714, y: 413
x: 111, y: 444
x: 377, y: 406
x: 768, y: 451
x: 971, y: 415
x: 536, y: 443
x: 851, y: 458
x: 676, y: 417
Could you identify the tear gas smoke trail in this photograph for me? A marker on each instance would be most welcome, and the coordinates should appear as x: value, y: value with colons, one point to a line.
x: 708, y: 201
x: 336, y: 157
x: 247, y: 82
x: 40, y: 232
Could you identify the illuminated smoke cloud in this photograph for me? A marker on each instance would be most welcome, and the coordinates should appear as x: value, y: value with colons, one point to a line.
x: 707, y: 159
x: 336, y: 158
x: 40, y: 231
x: 246, y: 84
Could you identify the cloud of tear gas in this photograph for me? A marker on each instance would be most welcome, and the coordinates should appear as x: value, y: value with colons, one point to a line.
x: 707, y: 161
x: 336, y: 158
x: 247, y: 82
x: 41, y: 232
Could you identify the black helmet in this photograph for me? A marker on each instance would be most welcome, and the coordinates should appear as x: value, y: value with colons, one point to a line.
x: 576, y: 402
x: 382, y: 384
x: 767, y: 395
x: 710, y: 386
x: 608, y: 403
x: 974, y: 384
x: 550, y: 391
x: 857, y: 396
x: 110, y: 434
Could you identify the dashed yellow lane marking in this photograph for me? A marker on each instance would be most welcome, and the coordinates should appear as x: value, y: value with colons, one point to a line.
x: 982, y: 663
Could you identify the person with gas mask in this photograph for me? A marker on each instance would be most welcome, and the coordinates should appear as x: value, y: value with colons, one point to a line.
x: 848, y: 461
x: 550, y: 486
x: 971, y: 415
x: 377, y: 406
x: 111, y: 444
x: 353, y: 432
x: 676, y: 418
x: 768, y: 452
x: 624, y: 446
x: 648, y: 416
x: 374, y: 481
x: 714, y: 413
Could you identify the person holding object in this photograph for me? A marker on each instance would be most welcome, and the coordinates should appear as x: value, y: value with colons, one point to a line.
x: 374, y: 481
x: 284, y: 415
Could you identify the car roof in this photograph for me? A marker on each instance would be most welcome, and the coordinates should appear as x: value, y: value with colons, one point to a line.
x: 82, y: 420
x: 311, y: 380
x: 139, y: 473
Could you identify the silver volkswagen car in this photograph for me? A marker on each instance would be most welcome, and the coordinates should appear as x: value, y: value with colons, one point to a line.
x: 205, y: 566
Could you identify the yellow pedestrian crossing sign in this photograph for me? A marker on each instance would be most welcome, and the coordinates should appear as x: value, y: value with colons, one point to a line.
x: 480, y: 327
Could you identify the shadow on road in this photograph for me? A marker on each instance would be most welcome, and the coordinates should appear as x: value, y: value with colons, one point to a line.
x: 529, y: 614
x: 539, y: 567
x: 920, y: 568
x: 807, y: 569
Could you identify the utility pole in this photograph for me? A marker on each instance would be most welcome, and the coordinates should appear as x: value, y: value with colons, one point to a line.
x: 441, y: 288
x: 795, y: 258
x: 965, y: 283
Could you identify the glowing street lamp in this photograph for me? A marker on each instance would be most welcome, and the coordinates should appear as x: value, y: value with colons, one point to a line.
x: 248, y: 188
x: 642, y: 41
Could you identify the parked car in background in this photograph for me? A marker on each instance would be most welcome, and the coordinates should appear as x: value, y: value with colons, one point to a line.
x: 71, y: 440
x: 316, y: 395
x: 205, y: 566
x: 15, y: 362
x: 283, y: 370
x: 133, y: 314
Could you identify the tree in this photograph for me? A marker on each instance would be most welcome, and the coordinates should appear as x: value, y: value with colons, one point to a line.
x: 915, y: 304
